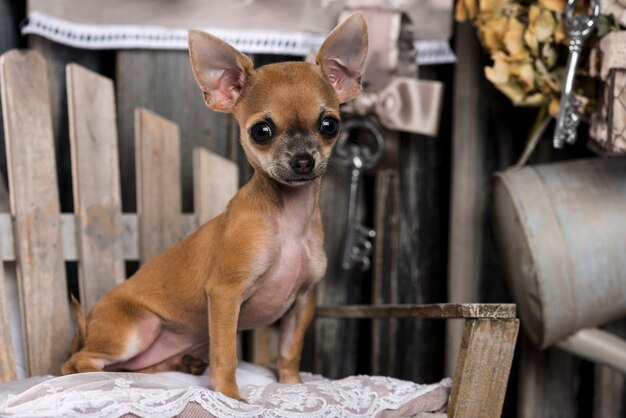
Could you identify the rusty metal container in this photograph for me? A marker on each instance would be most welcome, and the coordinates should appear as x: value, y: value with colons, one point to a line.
x: 561, y: 232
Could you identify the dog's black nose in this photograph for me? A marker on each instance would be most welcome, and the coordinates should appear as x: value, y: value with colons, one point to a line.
x: 302, y: 163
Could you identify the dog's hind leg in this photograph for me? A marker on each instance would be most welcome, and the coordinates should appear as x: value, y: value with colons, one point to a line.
x: 117, y: 339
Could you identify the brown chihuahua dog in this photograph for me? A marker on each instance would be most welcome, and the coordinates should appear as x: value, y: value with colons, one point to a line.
x: 260, y: 259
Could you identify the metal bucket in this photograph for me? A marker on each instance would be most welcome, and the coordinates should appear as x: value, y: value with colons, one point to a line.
x: 561, y: 232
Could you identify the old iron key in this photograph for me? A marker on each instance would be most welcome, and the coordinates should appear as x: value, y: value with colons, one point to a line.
x: 358, y: 245
x: 578, y: 28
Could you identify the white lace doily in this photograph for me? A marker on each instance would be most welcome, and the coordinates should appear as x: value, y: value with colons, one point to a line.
x: 173, y: 394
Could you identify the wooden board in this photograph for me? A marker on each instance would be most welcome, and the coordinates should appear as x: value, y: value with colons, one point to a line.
x: 468, y: 194
x: 483, y: 368
x: 35, y: 207
x: 158, y: 183
x: 216, y: 180
x: 163, y: 82
x: 421, y: 255
x: 95, y: 170
x: 609, y: 398
x: 7, y: 359
x: 385, y: 270
x: 432, y: 311
x: 546, y: 387
x: 264, y: 345
x: 130, y: 235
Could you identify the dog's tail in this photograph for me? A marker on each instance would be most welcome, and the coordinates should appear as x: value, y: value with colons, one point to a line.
x: 81, y: 326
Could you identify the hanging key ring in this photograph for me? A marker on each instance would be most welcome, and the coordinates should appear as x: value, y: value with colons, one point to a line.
x: 351, y: 153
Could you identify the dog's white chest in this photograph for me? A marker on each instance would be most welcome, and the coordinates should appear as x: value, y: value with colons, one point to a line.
x: 298, y: 260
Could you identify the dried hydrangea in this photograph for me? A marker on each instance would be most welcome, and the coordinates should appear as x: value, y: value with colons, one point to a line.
x: 522, y: 38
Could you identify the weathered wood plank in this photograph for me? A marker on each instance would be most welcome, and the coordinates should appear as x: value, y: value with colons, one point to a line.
x: 158, y: 183
x: 385, y: 270
x: 130, y: 235
x: 431, y: 311
x: 468, y: 191
x: 95, y: 169
x: 483, y: 368
x: 163, y: 82
x: 11, y: 352
x: 216, y: 180
x: 35, y: 207
x: 609, y: 399
x: 422, y: 243
x: 7, y: 358
x: 548, y: 382
x: 264, y: 343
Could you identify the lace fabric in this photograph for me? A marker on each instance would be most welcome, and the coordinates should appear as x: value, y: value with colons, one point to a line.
x: 78, y: 35
x: 105, y: 394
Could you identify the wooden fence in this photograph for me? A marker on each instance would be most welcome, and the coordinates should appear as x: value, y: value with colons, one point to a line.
x: 97, y: 234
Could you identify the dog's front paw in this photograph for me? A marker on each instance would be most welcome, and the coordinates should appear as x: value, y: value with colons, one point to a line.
x: 226, y: 385
x: 292, y: 377
x: 230, y: 391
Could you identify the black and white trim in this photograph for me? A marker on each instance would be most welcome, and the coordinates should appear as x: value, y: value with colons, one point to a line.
x: 158, y: 37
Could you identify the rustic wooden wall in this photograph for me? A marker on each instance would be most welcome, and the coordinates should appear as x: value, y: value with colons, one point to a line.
x: 413, y: 201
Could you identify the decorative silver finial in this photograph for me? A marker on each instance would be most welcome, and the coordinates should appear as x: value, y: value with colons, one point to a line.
x: 579, y: 28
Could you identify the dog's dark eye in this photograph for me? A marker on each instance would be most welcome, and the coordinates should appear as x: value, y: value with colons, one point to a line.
x: 329, y: 127
x: 261, y: 133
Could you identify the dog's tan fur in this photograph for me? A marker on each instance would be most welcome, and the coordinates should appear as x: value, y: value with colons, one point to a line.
x: 260, y: 259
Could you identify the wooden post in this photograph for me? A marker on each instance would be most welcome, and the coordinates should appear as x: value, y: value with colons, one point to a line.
x: 482, y: 372
x: 468, y: 185
x: 95, y: 169
x: 35, y: 207
x: 158, y: 183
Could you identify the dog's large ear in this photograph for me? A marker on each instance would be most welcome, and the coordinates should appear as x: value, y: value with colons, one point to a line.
x: 220, y: 70
x: 342, y: 56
